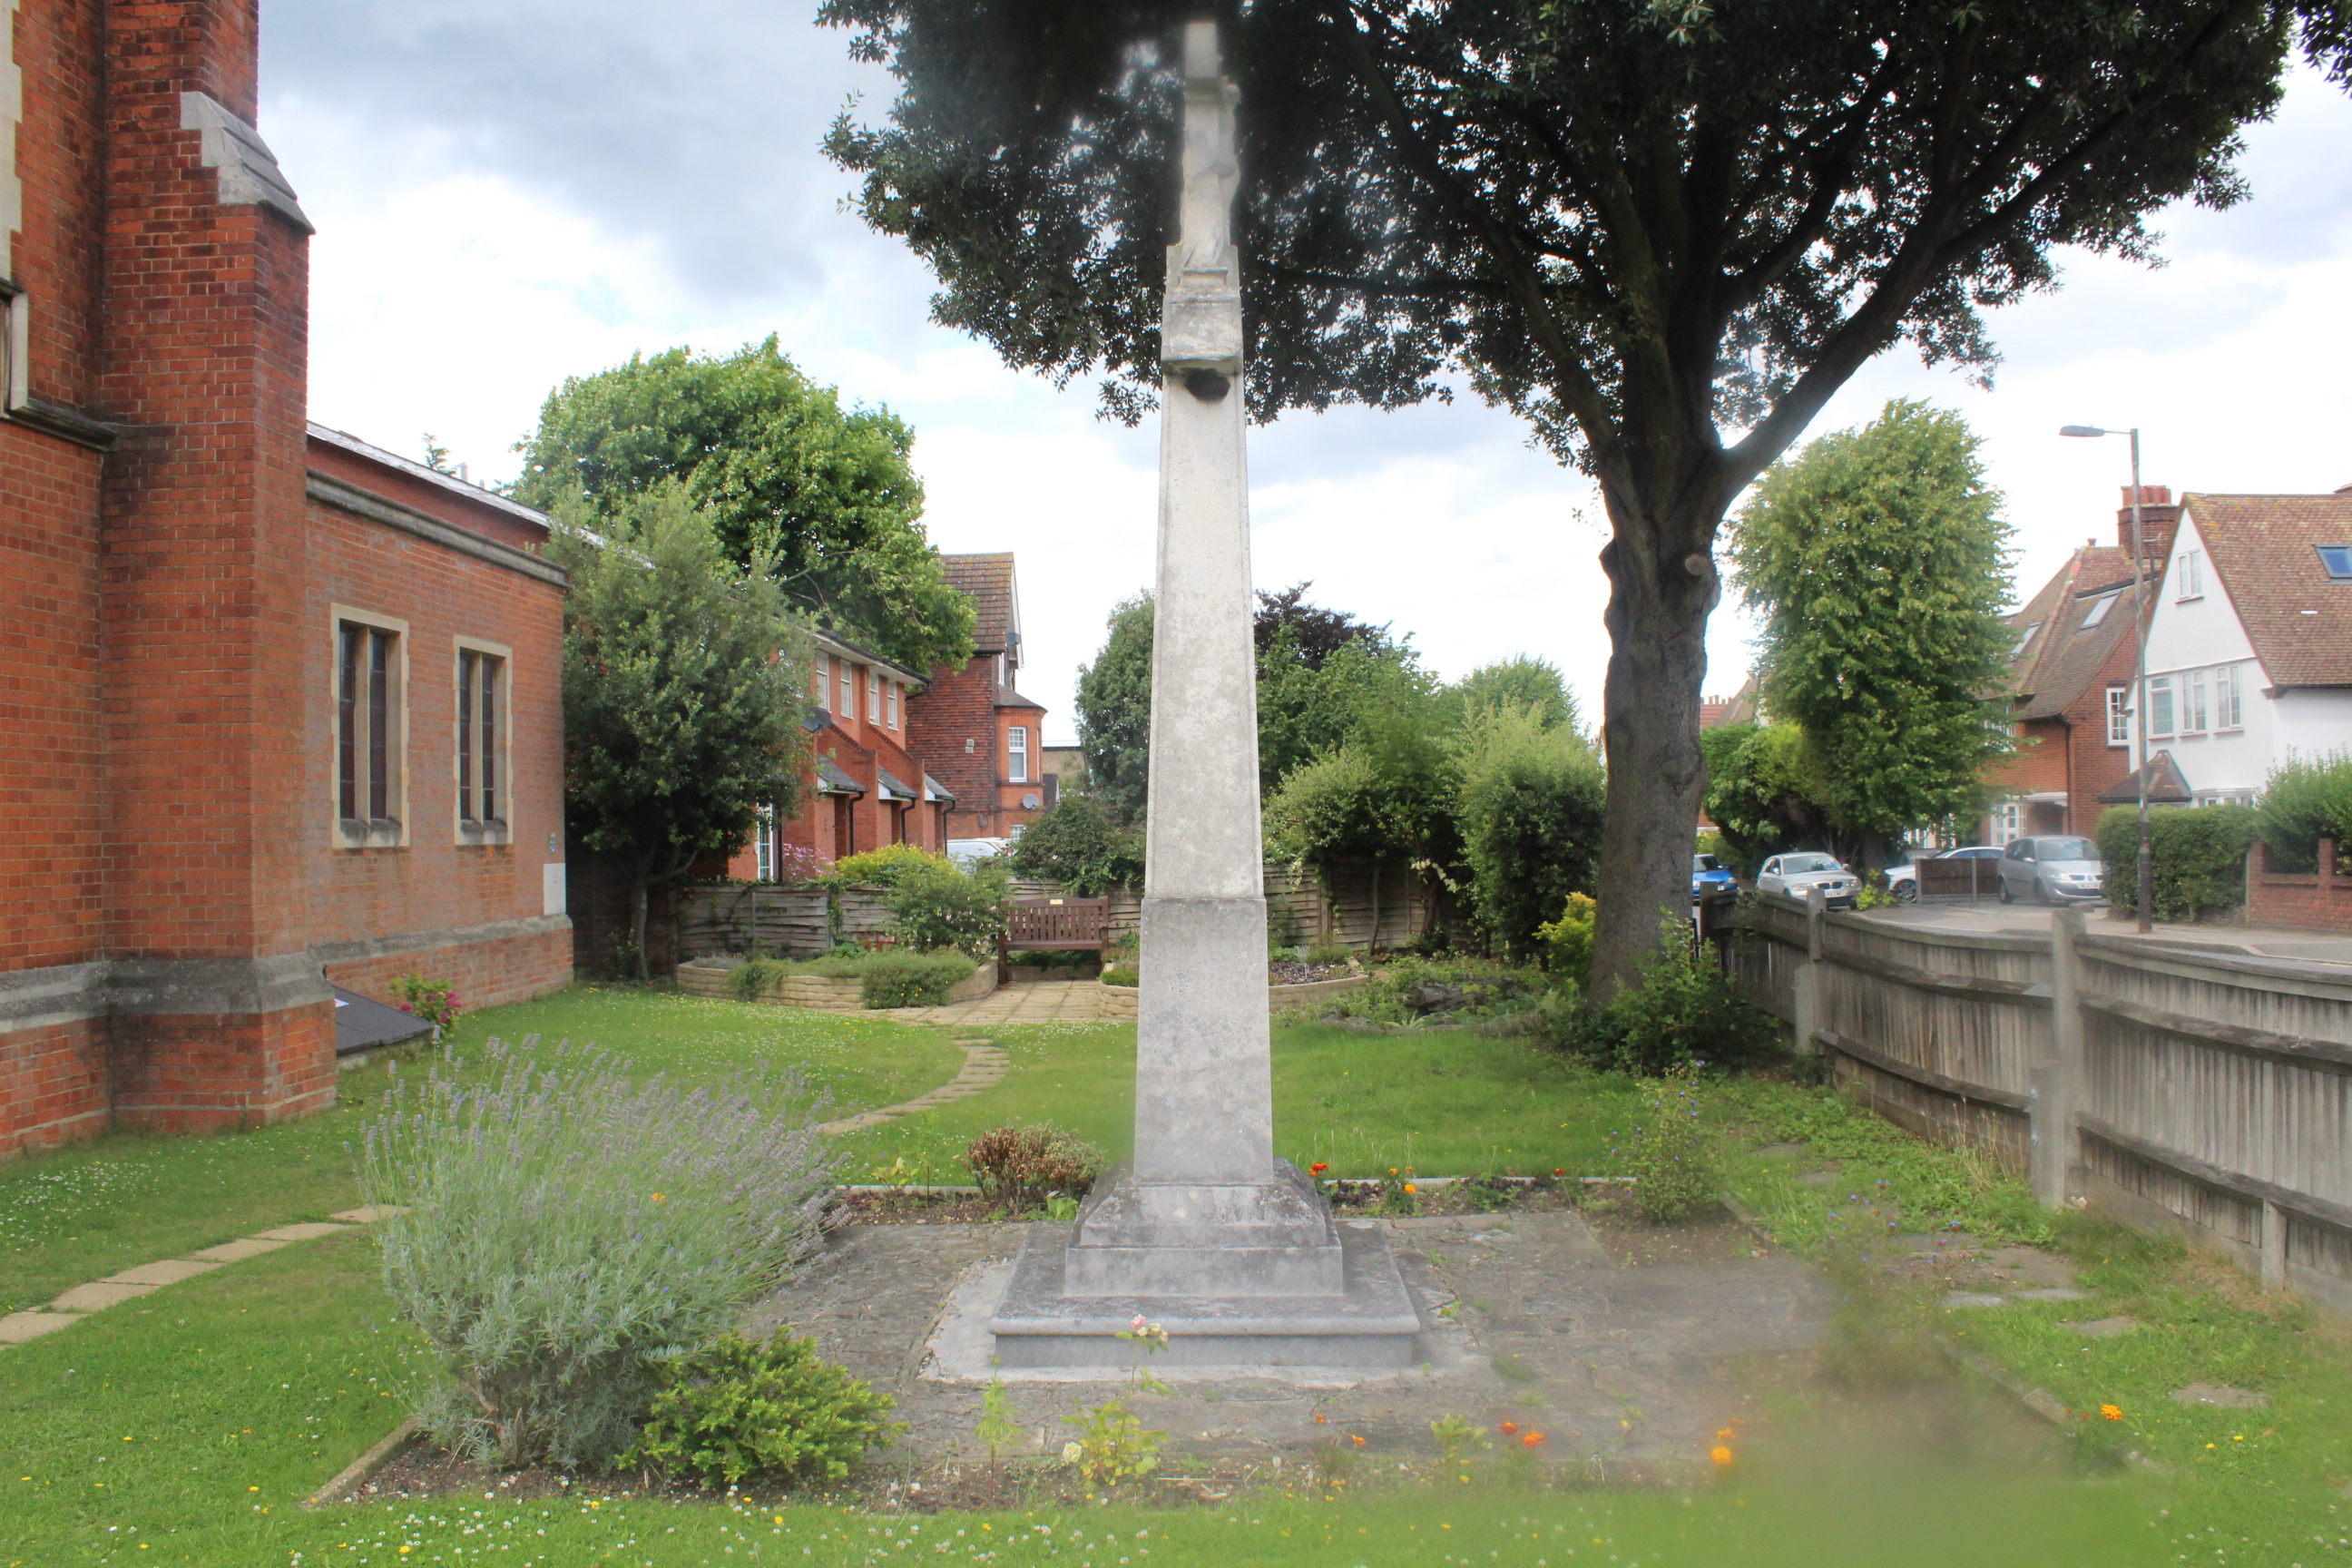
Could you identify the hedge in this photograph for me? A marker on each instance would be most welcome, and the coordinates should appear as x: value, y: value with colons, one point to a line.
x: 2199, y: 852
x: 2305, y: 800
x: 889, y: 977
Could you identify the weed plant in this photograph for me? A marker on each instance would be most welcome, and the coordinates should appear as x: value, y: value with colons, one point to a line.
x: 565, y: 1225
x: 1669, y: 1153
x: 1018, y: 1167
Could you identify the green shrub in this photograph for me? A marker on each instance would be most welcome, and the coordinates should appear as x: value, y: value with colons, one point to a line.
x: 1080, y: 845
x: 1530, y: 805
x: 754, y: 978
x: 2199, y: 853
x: 1566, y: 944
x: 738, y: 1407
x: 912, y: 979
x: 1668, y: 1153
x: 2305, y: 800
x: 883, y: 866
x: 566, y: 1226
x: 1493, y: 989
x: 1326, y: 954
x: 1121, y: 974
x: 433, y: 1001
x: 935, y: 906
x: 1019, y: 1165
x: 1680, y: 1012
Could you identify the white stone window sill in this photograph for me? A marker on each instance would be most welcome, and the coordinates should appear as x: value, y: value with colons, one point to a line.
x: 493, y: 832
x: 377, y: 833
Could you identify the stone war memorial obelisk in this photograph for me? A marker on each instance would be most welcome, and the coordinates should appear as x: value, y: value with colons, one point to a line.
x: 1206, y: 1234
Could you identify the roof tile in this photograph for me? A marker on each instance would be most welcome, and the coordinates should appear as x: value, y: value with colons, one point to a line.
x: 2264, y: 550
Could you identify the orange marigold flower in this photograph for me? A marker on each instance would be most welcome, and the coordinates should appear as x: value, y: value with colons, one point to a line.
x: 2111, y: 1412
x: 1720, y: 1453
x: 1320, y: 1418
x: 1559, y: 1170
x: 1724, y: 1435
x: 1410, y: 1188
x: 1319, y: 1167
x: 1510, y: 1428
x: 1359, y: 1441
x: 1532, y: 1440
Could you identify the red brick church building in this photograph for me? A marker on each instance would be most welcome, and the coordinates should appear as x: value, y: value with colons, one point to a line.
x: 277, y: 709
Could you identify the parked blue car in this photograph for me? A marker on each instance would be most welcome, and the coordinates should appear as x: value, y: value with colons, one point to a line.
x: 1710, y: 883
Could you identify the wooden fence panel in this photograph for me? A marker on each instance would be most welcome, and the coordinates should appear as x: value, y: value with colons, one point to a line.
x: 787, y: 922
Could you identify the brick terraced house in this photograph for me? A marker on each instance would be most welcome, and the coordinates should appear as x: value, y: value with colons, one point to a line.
x: 2070, y: 673
x: 277, y: 709
x: 899, y: 759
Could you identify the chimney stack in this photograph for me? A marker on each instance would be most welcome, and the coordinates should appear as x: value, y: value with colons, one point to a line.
x: 2159, y: 516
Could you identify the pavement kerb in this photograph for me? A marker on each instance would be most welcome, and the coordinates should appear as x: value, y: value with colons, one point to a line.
x: 79, y: 1302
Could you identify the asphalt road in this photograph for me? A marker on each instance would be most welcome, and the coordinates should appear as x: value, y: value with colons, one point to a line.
x: 1989, y: 915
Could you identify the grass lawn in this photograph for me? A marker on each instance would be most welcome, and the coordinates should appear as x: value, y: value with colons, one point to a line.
x: 2271, y: 1485
x: 1446, y: 1104
x: 129, y: 1198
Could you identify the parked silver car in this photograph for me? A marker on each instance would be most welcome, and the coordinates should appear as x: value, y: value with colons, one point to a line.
x: 2055, y: 870
x: 1903, y: 881
x: 1796, y: 873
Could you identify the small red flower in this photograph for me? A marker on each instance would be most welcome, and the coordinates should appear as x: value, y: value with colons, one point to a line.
x: 1510, y: 1428
x: 1318, y: 1167
x: 1320, y: 1418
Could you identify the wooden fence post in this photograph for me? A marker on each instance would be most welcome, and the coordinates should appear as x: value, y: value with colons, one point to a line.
x: 1805, y: 993
x: 2273, y: 1245
x: 2057, y: 1080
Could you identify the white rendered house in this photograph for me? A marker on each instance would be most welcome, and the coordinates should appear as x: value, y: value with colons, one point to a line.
x: 2250, y: 647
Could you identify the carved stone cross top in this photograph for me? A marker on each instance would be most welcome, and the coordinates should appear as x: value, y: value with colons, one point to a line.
x: 1201, y: 319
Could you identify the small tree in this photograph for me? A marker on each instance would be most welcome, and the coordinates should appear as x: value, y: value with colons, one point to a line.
x: 1878, y: 559
x: 1115, y: 711
x: 2306, y: 799
x: 1531, y: 799
x: 1082, y: 846
x: 683, y: 683
x: 1762, y: 793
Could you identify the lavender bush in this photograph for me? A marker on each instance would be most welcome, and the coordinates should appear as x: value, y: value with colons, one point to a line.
x: 569, y: 1227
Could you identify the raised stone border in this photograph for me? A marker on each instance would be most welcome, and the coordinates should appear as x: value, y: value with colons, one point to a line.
x: 1119, y: 1001
x: 79, y: 1302
x: 708, y: 978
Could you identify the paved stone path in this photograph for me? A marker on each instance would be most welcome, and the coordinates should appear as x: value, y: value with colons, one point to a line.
x: 1020, y: 1002
x: 984, y: 1066
x: 79, y: 1302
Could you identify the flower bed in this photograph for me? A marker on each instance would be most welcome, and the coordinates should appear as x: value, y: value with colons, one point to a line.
x: 714, y: 977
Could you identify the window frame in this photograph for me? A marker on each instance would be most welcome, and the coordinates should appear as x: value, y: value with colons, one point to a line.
x: 2328, y: 566
x: 892, y: 693
x: 873, y: 695
x: 2193, y: 711
x: 2229, y: 699
x: 1016, y: 753
x: 2119, y: 716
x: 2160, y: 711
x: 485, y: 828
x: 2098, y: 609
x: 371, y: 832
x: 2189, y: 579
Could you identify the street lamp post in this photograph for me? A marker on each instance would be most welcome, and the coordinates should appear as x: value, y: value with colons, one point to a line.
x: 2139, y: 678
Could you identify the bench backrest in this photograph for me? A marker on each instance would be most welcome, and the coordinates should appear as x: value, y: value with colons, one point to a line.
x: 1037, y: 925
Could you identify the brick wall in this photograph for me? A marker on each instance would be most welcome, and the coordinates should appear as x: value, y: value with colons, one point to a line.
x: 483, y: 973
x: 960, y: 706
x: 2298, y: 902
x: 53, y: 1085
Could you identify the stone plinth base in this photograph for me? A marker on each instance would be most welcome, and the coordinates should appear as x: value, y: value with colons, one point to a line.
x: 1214, y: 1238
x: 1369, y: 1323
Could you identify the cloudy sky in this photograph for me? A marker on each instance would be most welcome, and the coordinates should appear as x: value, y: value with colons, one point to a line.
x: 509, y: 192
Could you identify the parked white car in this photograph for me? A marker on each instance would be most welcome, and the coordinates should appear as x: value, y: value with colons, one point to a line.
x: 1798, y: 873
x: 1903, y: 881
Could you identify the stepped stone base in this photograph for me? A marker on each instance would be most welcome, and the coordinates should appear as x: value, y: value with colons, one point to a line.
x: 1238, y: 1275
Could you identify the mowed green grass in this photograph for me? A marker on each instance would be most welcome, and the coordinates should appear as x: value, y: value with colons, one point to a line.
x: 129, y: 1198
x: 1444, y: 1103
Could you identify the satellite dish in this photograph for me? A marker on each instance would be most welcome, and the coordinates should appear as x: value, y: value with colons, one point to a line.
x: 1032, y: 802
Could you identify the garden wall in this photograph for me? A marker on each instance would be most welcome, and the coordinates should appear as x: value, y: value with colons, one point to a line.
x: 711, y: 977
x: 2172, y: 1087
x: 1322, y: 908
x: 2298, y: 900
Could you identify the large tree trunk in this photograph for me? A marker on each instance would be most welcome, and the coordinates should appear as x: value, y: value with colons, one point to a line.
x: 1663, y: 584
x: 639, y: 889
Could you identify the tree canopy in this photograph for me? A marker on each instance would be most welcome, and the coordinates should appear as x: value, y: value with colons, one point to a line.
x: 684, y: 679
x: 826, y: 496
x: 1114, y: 706
x: 1663, y: 232
x: 1878, y: 560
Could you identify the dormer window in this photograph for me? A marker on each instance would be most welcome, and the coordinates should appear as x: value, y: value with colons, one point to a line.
x: 2338, y: 560
x: 2026, y: 641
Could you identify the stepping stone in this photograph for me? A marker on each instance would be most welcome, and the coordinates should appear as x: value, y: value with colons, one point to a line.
x: 310, y: 1230
x: 97, y: 1296
x: 168, y: 1271
x: 1974, y: 1299
x: 237, y: 1251
x: 2054, y: 1293
x: 2105, y: 1328
x: 2221, y: 1394
x: 369, y: 1215
x: 18, y: 1327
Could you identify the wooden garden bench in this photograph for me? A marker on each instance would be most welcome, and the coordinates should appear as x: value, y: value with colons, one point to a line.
x: 1053, y: 925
